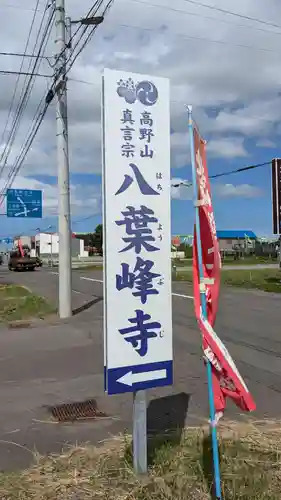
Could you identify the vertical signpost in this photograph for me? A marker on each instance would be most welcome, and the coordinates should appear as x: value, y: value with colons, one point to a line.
x: 137, y: 280
x: 276, y: 195
x: 276, y: 200
x: 224, y: 380
x: 201, y: 199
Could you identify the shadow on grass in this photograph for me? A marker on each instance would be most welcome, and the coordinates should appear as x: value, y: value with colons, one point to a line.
x: 274, y: 280
x: 208, y: 465
x: 165, y: 424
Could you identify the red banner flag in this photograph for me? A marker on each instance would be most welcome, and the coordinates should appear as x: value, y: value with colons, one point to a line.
x: 227, y: 382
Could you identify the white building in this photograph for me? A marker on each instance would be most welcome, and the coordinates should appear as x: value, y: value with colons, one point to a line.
x: 47, y: 245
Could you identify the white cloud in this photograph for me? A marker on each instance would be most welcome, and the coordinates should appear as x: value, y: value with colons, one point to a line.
x: 181, y: 192
x: 238, y: 191
x: 84, y: 199
x: 265, y: 143
x: 202, y: 52
x: 227, y: 147
x: 180, y: 150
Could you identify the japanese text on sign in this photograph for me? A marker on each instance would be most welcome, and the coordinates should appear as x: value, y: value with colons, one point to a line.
x: 137, y: 219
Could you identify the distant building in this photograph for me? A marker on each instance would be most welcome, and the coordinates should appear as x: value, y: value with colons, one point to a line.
x: 47, y: 245
x: 232, y: 240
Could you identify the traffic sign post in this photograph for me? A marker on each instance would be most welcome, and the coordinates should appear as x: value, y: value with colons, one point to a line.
x: 137, y: 271
x: 24, y: 203
x: 276, y: 195
x: 276, y: 200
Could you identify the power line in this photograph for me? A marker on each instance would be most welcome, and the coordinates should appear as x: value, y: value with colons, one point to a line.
x: 90, y: 13
x: 203, y: 39
x: 108, y: 6
x: 54, y: 226
x: 223, y: 174
x: 27, y: 87
x: 20, y: 54
x: 242, y: 169
x: 216, y: 19
x: 231, y: 13
x: 38, y: 120
x: 18, y: 7
x: 24, y: 96
x: 23, y: 73
x: 22, y: 106
x: 26, y: 147
x: 18, y: 79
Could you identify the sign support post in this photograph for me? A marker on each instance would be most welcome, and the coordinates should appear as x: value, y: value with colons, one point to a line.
x: 139, y: 432
x: 204, y: 311
x: 276, y: 200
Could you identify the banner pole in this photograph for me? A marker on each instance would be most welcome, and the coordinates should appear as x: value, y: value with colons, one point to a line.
x: 204, y: 310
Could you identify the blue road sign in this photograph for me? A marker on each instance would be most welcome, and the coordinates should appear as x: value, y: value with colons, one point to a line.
x: 7, y: 241
x: 140, y: 377
x: 24, y: 203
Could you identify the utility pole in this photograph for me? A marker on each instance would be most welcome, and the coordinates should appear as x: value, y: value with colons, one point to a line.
x: 65, y: 309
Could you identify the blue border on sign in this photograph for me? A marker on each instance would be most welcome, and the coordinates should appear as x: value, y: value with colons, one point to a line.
x: 114, y: 374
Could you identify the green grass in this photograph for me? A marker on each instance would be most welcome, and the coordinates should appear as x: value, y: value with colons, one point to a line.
x: 248, y: 261
x: 179, y: 469
x: 229, y: 261
x: 268, y: 280
x: 18, y: 303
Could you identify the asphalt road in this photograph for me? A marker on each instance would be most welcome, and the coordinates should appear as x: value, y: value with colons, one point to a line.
x: 59, y: 362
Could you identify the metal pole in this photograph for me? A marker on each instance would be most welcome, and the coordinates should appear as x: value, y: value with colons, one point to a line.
x: 204, y: 312
x: 65, y: 310
x: 139, y: 432
x: 51, y: 250
x: 68, y: 34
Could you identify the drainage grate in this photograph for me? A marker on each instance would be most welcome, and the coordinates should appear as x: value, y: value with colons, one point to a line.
x: 76, y: 411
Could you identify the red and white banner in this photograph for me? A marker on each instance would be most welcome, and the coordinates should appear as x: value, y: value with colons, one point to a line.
x: 227, y: 382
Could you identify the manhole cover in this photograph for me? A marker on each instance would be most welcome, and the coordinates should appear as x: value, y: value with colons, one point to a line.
x: 76, y: 411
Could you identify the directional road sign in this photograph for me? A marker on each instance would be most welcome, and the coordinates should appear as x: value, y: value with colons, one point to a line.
x: 7, y: 241
x: 138, y: 317
x: 137, y: 378
x: 25, y: 203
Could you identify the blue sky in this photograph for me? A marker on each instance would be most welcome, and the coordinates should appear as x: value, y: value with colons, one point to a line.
x: 226, y: 66
x: 249, y: 211
x: 252, y: 211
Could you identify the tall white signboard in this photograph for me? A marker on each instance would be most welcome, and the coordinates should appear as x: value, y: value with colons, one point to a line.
x: 136, y: 170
